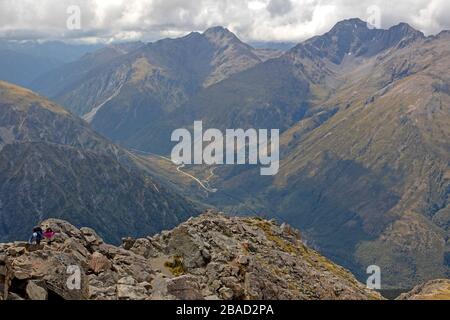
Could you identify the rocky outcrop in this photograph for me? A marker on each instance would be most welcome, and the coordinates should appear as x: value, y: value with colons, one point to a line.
x: 432, y: 290
x: 208, y: 257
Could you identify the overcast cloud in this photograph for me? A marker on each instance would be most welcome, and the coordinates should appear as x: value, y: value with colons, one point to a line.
x: 251, y: 20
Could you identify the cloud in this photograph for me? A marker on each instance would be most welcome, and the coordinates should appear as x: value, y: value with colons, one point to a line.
x: 252, y: 20
x: 279, y: 7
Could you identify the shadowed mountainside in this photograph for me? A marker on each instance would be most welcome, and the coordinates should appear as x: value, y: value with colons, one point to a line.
x: 53, y: 165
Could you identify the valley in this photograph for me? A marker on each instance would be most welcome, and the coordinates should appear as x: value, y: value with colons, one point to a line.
x: 363, y: 116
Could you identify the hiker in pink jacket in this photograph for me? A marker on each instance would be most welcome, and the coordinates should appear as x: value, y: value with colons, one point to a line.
x: 49, y: 234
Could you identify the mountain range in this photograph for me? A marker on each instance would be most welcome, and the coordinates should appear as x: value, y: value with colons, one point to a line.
x: 364, y: 119
x: 21, y: 62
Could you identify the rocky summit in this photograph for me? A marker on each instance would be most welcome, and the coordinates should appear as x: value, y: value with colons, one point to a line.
x: 211, y: 256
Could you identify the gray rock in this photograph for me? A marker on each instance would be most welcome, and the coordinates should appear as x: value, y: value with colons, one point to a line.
x: 185, y: 288
x: 102, y: 293
x: 226, y: 293
x: 127, y: 289
x: 35, y: 291
x: 2, y: 270
x: 159, y: 287
x: 126, y: 292
x: 130, y: 281
x: 91, y: 236
x: 15, y: 251
x: 182, y: 244
x: 144, y: 248
x: 243, y: 260
x: 128, y: 242
x: 99, y: 263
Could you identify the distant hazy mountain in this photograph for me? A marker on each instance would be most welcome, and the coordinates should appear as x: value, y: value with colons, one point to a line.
x: 131, y: 92
x: 19, y: 68
x: 68, y: 75
x: 53, y: 165
x: 282, y: 46
x: 23, y: 61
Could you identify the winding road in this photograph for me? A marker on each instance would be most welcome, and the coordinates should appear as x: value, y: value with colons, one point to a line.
x: 200, y: 183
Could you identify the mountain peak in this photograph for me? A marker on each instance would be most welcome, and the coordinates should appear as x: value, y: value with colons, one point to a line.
x: 220, y: 33
x: 404, y: 26
x: 406, y: 30
x: 354, y: 37
x: 348, y: 24
x: 217, y: 30
x: 221, y: 36
x: 190, y: 35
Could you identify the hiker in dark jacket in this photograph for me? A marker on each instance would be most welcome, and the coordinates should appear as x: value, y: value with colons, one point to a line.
x: 37, y: 235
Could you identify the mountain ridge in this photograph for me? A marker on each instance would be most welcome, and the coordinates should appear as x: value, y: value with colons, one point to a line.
x: 54, y: 165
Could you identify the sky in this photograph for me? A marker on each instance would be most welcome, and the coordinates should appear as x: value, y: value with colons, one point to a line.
x: 252, y: 20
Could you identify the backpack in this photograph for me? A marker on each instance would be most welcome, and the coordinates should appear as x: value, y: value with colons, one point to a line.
x: 37, y: 229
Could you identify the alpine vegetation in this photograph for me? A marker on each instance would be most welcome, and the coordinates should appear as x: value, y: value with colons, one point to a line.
x: 229, y: 149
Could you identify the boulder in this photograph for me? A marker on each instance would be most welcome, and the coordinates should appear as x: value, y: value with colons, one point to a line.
x: 55, y: 269
x: 127, y: 289
x: 91, y: 236
x: 15, y: 251
x: 185, y: 287
x: 182, y: 244
x: 226, y: 293
x: 102, y: 293
x: 143, y: 247
x: 128, y: 242
x: 77, y: 250
x: 99, y: 263
x: 36, y: 290
x: 34, y: 247
x: 159, y: 288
